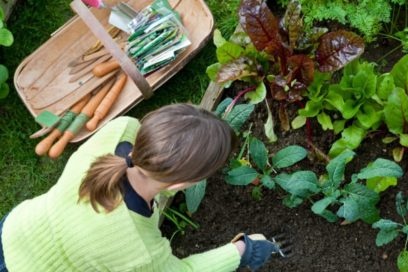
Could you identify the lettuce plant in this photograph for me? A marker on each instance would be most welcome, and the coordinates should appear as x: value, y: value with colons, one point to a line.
x: 355, y: 100
x: 389, y: 230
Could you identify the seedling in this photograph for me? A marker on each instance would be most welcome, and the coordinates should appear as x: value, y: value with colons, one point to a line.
x: 389, y: 230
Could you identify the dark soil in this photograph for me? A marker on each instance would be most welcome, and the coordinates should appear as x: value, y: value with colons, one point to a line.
x: 317, y: 244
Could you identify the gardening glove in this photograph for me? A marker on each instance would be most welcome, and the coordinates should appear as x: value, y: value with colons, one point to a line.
x: 257, y: 250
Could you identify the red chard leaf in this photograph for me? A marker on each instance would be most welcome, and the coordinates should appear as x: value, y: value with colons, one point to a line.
x: 261, y: 25
x: 301, y: 69
x: 338, y: 48
x: 283, y: 117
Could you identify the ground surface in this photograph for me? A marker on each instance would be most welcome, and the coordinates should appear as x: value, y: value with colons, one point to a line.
x: 318, y: 245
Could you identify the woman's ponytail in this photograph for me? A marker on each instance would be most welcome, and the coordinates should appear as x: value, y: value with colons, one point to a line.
x: 101, y: 184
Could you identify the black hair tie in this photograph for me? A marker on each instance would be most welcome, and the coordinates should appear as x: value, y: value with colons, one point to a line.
x: 129, y: 162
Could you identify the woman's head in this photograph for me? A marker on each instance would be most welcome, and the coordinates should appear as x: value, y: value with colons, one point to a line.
x: 182, y: 143
x: 175, y: 144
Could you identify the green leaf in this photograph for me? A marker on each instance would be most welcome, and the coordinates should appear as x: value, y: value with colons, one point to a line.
x: 325, y: 121
x: 212, y: 71
x: 269, y: 126
x: 1, y: 14
x: 243, y: 175
x: 4, y: 74
x: 400, y: 204
x: 302, y: 183
x: 385, y: 224
x: 194, y: 195
x: 369, y: 116
x: 268, y: 182
x: 239, y: 115
x: 385, y: 86
x: 256, y: 193
x: 380, y: 184
x: 4, y: 90
x: 400, y: 72
x: 338, y: 126
x: 298, y: 122
x: 359, y: 203
x: 329, y: 216
x: 258, y: 95
x: 384, y: 237
x: 381, y: 168
x: 320, y: 206
x: 258, y: 153
x: 288, y: 156
x: 396, y: 111
x: 336, y: 167
x: 218, y: 38
x: 311, y: 109
x: 222, y: 106
x: 6, y: 37
x: 337, y: 147
x: 292, y: 201
x: 404, y: 140
x: 405, y: 229
x: 402, y: 261
x: 228, y: 52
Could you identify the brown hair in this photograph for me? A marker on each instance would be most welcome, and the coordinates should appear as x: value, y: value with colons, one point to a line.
x: 176, y: 143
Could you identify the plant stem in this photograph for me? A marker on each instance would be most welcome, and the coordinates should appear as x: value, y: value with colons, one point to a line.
x: 234, y: 101
x: 389, y: 53
x: 191, y: 223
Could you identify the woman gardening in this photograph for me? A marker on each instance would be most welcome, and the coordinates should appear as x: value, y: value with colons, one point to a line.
x: 101, y: 214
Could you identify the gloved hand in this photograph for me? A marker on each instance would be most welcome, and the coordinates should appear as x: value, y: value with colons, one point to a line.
x: 257, y: 250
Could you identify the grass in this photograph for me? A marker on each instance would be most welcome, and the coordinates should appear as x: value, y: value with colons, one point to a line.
x: 23, y: 174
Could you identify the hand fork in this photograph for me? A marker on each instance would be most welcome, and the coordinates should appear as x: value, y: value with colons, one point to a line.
x: 284, y: 245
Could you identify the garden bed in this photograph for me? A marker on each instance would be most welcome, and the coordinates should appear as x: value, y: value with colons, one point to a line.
x: 317, y: 244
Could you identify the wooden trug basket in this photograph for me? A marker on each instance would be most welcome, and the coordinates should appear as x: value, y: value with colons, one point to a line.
x: 42, y: 79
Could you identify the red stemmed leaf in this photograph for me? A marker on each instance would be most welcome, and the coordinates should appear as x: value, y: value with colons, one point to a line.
x: 293, y: 22
x: 338, y: 48
x: 261, y: 25
x: 301, y: 69
x: 283, y: 117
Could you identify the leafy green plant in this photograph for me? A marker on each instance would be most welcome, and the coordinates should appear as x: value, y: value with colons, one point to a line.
x: 279, y: 56
x: 6, y: 39
x: 390, y: 230
x: 181, y: 221
x: 355, y: 100
x: 253, y: 165
x: 396, y: 108
x: 353, y: 200
x: 367, y: 16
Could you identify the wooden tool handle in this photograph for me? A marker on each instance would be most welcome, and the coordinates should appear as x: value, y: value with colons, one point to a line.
x: 77, y: 107
x: 92, y: 105
x: 45, y: 144
x: 107, y: 102
x: 57, y: 149
x: 103, y: 68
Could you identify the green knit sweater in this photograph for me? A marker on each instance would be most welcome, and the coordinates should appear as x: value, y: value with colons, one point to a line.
x: 53, y: 232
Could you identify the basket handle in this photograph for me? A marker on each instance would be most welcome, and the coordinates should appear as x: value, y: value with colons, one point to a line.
x: 99, y: 31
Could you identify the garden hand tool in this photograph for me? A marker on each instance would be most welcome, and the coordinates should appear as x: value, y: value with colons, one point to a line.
x: 45, y: 144
x: 107, y: 102
x: 103, y: 68
x: 79, y: 121
x: 258, y: 250
x: 121, y: 13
